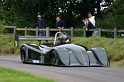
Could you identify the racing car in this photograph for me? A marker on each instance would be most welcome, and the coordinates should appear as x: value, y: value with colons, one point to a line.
x: 63, y: 53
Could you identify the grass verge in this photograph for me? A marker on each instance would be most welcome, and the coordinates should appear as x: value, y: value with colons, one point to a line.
x: 9, y: 75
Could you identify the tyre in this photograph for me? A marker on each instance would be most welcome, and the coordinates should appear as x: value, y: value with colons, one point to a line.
x: 23, y: 55
x: 53, y: 57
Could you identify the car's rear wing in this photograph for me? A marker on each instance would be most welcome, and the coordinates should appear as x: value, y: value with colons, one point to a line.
x: 39, y: 38
x: 32, y: 38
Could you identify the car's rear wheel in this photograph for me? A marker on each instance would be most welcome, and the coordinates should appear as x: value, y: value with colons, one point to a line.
x: 53, y: 57
x: 23, y: 56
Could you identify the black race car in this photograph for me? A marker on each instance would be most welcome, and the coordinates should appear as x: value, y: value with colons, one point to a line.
x: 63, y: 53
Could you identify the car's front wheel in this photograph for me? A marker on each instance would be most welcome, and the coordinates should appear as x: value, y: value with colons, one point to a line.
x: 23, y: 55
x: 53, y: 57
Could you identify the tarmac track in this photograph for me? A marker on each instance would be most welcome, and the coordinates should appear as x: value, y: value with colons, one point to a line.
x: 66, y: 74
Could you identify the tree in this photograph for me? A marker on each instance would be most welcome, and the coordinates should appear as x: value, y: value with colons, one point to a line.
x: 24, y: 12
x: 114, y: 16
x: 117, y: 7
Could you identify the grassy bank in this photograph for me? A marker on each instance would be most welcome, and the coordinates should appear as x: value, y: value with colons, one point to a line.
x: 6, y: 44
x: 114, y: 47
x: 9, y: 75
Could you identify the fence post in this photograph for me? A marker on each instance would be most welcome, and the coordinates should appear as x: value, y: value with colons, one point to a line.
x: 115, y: 32
x: 14, y: 32
x: 47, y: 32
x: 84, y: 33
x: 36, y: 31
x: 15, y: 36
x: 72, y: 31
x: 25, y: 31
x: 99, y: 32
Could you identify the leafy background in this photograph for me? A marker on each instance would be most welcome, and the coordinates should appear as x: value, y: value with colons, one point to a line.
x: 23, y: 13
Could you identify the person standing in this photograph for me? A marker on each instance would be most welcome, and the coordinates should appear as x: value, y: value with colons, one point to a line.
x: 60, y: 24
x: 40, y: 24
x: 90, y: 24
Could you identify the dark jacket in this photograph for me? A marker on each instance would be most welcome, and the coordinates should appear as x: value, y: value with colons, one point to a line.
x: 60, y: 24
x: 40, y: 24
x: 90, y: 25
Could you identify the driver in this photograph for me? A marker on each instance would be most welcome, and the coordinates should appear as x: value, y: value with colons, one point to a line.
x: 65, y: 39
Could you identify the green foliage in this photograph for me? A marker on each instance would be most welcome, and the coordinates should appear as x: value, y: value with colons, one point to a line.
x: 7, y: 44
x: 24, y: 12
x: 117, y: 7
x: 9, y: 75
x: 1, y: 28
x: 114, y: 16
x: 111, y: 22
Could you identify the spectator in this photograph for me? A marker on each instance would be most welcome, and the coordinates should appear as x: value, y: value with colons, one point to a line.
x: 40, y: 24
x: 90, y: 24
x: 60, y: 24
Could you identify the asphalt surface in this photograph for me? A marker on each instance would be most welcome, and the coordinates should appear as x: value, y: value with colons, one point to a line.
x: 66, y: 74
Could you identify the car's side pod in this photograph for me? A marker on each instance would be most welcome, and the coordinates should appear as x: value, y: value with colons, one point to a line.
x: 101, y: 56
